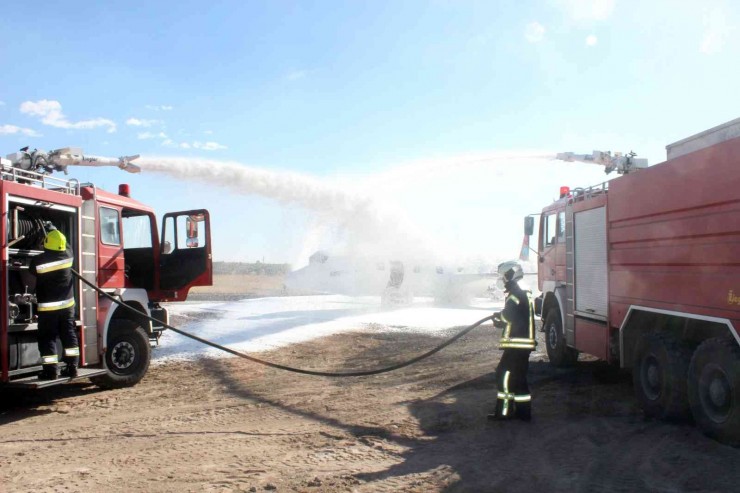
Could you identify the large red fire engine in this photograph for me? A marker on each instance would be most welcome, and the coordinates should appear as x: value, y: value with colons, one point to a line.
x: 116, y: 246
x: 643, y: 271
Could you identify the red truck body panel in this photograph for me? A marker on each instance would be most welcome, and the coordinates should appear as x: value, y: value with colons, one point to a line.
x: 674, y: 236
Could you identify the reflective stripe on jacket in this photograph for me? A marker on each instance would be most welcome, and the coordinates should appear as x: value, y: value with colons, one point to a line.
x: 518, y: 315
x: 54, y: 281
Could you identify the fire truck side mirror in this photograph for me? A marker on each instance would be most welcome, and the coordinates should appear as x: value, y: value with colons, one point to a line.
x: 191, y: 230
x: 529, y: 225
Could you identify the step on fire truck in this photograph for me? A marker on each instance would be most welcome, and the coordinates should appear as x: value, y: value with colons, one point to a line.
x: 644, y: 271
x: 116, y: 247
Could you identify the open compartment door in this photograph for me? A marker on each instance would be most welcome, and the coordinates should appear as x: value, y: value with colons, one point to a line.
x: 185, y: 251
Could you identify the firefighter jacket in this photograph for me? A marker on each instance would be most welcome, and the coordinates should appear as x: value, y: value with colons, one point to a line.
x: 517, y: 319
x: 54, y: 281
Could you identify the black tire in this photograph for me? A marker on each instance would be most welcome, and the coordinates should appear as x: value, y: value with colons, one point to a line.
x: 127, y: 356
x: 714, y: 389
x: 659, y: 373
x: 558, y: 352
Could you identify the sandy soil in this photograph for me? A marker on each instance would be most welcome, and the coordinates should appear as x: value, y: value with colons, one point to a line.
x: 228, y: 287
x: 230, y: 425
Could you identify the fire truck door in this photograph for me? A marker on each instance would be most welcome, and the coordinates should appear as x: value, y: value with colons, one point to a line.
x: 185, y: 250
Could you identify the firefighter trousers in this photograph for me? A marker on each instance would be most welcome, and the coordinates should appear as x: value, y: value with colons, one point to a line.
x: 513, y: 397
x: 53, y: 324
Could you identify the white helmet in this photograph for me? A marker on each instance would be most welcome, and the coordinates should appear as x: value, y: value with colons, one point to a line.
x: 508, y: 272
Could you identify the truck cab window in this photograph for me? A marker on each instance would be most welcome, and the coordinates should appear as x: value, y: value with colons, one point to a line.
x: 137, y: 232
x: 110, y: 230
x: 561, y: 227
x: 550, y: 230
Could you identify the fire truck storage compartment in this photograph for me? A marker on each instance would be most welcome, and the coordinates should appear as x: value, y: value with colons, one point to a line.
x: 591, y: 295
x: 26, y: 222
x: 23, y: 350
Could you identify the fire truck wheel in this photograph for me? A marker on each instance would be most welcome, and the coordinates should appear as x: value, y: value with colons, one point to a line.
x: 714, y: 389
x: 127, y: 357
x: 659, y: 376
x: 558, y: 352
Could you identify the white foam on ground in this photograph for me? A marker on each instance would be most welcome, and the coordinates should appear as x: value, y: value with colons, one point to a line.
x: 265, y: 323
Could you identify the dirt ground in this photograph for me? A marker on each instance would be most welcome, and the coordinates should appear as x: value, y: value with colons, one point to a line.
x: 219, y: 425
x: 235, y: 287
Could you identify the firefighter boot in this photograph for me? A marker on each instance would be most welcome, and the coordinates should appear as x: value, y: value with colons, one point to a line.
x: 69, y: 371
x: 498, y: 413
x: 49, y: 372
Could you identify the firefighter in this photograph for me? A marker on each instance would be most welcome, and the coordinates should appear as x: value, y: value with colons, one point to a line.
x: 517, y: 341
x: 55, y: 296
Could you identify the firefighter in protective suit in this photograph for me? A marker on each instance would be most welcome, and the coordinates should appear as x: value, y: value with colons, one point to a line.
x: 517, y: 341
x: 55, y: 296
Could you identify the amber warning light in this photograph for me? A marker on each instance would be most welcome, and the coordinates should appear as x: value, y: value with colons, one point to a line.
x: 564, y: 192
x: 123, y: 190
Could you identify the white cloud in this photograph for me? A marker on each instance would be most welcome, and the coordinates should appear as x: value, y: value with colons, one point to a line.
x: 209, y: 146
x: 208, y: 132
x: 2, y: 103
x: 12, y: 129
x: 716, y: 31
x: 159, y: 107
x: 136, y: 122
x: 151, y: 135
x: 591, y: 40
x: 296, y: 75
x: 206, y: 146
x: 587, y: 10
x: 534, y: 32
x: 51, y: 114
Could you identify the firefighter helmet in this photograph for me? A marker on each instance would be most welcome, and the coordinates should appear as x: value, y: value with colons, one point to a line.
x: 55, y: 241
x: 509, y: 272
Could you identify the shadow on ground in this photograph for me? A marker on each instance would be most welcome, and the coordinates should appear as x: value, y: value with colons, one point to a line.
x: 587, y: 435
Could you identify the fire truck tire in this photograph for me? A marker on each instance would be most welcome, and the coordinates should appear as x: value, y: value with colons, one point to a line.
x: 127, y: 357
x: 558, y: 352
x: 659, y: 374
x: 714, y: 389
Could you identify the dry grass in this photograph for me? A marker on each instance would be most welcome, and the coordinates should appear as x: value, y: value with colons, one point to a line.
x: 241, y: 284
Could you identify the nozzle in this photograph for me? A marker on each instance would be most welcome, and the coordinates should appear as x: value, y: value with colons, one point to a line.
x: 126, y: 165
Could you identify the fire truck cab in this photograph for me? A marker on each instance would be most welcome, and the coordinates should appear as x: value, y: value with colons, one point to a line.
x: 117, y: 247
x: 642, y: 271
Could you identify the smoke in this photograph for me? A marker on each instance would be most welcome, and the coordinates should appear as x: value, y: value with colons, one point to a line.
x: 347, y: 220
x: 285, y: 187
x: 462, y: 209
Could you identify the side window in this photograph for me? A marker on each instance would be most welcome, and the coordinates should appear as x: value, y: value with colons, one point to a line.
x: 183, y: 233
x: 110, y: 229
x: 168, y: 235
x: 561, y: 227
x: 550, y: 230
x: 137, y: 232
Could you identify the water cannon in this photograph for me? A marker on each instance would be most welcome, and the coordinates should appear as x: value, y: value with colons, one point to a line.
x: 621, y: 163
x: 43, y: 162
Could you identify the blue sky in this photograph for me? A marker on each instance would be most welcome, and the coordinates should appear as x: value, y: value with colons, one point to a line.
x: 340, y: 91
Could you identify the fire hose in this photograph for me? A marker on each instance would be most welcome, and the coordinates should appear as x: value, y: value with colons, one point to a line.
x: 359, y: 373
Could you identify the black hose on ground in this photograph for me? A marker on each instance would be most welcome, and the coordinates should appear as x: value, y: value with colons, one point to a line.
x: 361, y: 373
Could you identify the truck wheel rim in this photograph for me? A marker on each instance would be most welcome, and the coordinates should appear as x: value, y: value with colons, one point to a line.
x: 716, y: 394
x: 123, y: 355
x: 651, y: 377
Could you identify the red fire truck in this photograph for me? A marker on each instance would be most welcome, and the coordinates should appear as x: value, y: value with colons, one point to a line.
x: 644, y: 271
x: 116, y: 247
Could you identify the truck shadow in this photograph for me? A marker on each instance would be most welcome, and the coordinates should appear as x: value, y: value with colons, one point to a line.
x: 587, y: 434
x: 20, y: 404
